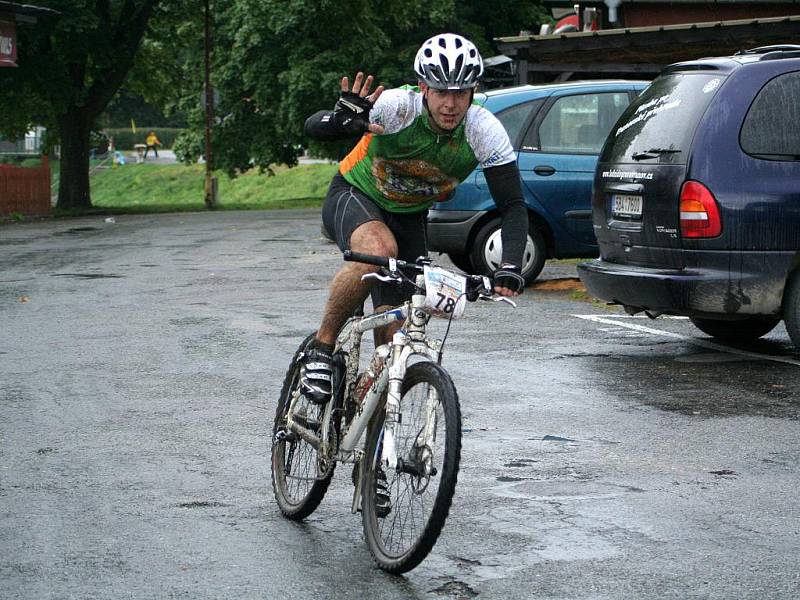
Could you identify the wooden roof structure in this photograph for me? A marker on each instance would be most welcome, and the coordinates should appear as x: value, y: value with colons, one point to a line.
x: 26, y: 12
x: 640, y: 51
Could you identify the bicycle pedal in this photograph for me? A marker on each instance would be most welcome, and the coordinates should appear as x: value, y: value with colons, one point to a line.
x: 283, y: 435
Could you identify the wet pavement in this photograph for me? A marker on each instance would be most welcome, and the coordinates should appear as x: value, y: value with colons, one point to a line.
x: 604, y: 456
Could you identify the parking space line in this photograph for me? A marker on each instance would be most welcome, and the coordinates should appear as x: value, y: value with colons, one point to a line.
x: 690, y: 340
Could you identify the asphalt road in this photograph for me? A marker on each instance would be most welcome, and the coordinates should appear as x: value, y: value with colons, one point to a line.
x: 604, y: 456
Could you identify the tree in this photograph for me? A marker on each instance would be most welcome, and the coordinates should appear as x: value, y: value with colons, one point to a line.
x: 275, y: 62
x: 128, y: 105
x: 70, y: 67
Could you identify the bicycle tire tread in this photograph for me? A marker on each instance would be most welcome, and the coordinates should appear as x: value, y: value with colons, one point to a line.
x: 316, y: 493
x: 439, y: 378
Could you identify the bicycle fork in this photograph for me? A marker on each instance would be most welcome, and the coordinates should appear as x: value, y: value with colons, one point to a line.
x: 397, y: 371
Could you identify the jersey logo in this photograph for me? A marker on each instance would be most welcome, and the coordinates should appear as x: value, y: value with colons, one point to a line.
x: 411, y: 182
x: 494, y: 158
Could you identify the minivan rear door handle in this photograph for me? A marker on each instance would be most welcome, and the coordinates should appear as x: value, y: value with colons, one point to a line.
x: 544, y: 170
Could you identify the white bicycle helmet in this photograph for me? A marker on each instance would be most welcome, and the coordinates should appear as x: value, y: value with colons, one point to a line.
x: 449, y: 62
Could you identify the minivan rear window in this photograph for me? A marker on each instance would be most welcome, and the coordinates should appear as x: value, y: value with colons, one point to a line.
x: 771, y: 129
x: 663, y: 118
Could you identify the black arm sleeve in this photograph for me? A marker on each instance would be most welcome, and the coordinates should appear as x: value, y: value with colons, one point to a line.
x: 349, y: 118
x: 504, y: 184
x: 321, y: 127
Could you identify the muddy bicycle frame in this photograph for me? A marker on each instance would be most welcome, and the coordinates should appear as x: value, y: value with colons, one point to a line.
x: 388, y: 367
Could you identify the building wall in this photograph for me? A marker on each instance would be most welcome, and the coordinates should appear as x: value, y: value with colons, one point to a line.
x: 636, y: 14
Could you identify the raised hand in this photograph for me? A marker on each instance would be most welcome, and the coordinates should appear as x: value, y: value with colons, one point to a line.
x: 359, y: 98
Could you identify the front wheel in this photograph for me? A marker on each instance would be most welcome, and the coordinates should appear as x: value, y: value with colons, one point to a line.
x: 742, y: 330
x: 403, y: 511
x: 296, y: 479
x: 487, y: 251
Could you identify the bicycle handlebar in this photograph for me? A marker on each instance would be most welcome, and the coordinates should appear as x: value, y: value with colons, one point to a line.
x: 378, y: 261
x: 475, y: 283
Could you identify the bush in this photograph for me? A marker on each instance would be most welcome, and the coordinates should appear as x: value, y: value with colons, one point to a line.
x: 125, y: 139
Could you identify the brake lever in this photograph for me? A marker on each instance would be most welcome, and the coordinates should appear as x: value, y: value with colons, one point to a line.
x: 384, y: 278
x: 498, y: 299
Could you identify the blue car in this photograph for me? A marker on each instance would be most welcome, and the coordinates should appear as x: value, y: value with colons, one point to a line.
x: 697, y: 197
x: 557, y: 131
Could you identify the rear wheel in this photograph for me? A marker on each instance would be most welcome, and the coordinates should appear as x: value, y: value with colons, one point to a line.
x: 487, y: 251
x: 741, y: 330
x: 298, y: 485
x: 421, y: 489
x: 791, y: 309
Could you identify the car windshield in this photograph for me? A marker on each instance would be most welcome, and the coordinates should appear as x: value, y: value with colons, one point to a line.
x: 659, y: 125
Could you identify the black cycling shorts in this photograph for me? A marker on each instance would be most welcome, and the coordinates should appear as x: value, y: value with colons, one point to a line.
x: 346, y: 207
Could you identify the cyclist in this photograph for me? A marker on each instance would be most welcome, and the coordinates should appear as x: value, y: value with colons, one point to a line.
x: 417, y: 145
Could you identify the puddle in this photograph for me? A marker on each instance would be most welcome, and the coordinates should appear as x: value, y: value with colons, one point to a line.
x: 556, y: 438
x: 465, y: 562
x: 76, y: 230
x: 711, y: 358
x: 190, y: 321
x: 724, y: 472
x: 87, y: 275
x: 455, y: 589
x: 521, y: 462
x: 201, y: 504
x: 708, y: 385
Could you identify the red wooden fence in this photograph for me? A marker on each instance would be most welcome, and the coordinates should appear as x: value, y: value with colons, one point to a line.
x: 25, y: 190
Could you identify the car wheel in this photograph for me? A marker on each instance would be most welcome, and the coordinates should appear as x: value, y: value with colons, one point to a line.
x: 487, y: 251
x: 743, y: 330
x: 791, y: 309
x: 461, y: 261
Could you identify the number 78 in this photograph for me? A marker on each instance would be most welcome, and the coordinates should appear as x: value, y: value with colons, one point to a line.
x: 449, y: 303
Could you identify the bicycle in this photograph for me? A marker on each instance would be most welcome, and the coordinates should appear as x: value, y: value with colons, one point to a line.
x: 406, y: 402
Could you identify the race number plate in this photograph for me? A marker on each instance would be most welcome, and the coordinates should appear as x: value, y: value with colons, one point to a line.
x: 626, y: 205
x: 444, y: 293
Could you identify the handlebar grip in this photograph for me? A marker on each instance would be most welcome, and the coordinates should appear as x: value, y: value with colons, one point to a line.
x: 380, y: 261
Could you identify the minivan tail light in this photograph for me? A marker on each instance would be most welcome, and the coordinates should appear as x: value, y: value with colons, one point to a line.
x: 699, y: 212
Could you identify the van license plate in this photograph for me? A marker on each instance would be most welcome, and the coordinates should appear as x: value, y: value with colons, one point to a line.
x: 626, y: 205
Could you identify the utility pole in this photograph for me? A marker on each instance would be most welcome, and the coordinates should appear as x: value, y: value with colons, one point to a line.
x: 210, y: 186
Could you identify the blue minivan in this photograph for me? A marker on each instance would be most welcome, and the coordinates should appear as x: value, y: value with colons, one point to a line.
x: 697, y: 197
x: 557, y: 131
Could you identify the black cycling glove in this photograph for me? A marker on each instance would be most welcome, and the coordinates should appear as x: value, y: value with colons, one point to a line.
x: 509, y: 276
x: 351, y: 113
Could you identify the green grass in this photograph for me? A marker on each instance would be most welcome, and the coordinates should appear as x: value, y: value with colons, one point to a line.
x: 134, y: 188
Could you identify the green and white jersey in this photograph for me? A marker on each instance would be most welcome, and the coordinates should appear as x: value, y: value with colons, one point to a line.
x: 409, y: 167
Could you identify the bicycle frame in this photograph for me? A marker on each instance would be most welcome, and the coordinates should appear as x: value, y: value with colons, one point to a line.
x: 388, y: 366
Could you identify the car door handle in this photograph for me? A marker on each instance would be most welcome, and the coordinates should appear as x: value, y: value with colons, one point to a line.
x: 544, y: 170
